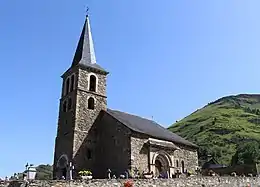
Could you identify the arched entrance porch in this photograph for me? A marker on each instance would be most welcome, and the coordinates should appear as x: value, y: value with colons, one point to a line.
x: 162, y: 166
x: 62, y: 167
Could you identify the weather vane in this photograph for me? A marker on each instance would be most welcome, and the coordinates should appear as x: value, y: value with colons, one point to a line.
x: 87, y: 11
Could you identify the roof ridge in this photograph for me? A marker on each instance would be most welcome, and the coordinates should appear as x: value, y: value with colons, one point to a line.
x: 146, y: 126
x: 135, y: 115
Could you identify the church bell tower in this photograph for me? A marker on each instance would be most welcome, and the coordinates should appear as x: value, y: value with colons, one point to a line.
x: 83, y: 96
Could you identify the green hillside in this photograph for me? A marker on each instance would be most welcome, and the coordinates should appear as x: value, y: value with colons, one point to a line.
x: 219, y: 127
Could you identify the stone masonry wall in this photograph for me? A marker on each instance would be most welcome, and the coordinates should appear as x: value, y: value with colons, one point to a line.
x: 66, y: 123
x: 139, y: 153
x: 189, y: 156
x: 112, y: 149
x: 185, y: 182
x: 83, y: 78
x: 85, y: 117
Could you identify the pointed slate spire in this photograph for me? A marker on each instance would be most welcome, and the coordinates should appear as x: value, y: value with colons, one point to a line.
x: 85, y: 53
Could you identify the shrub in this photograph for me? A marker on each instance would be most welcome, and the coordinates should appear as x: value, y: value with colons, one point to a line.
x: 85, y: 173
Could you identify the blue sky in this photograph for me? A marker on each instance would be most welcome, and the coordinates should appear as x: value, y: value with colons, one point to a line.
x: 166, y: 59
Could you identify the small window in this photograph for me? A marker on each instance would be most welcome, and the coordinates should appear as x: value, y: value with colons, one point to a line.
x: 91, y: 103
x: 89, y: 154
x: 182, y: 167
x: 177, y: 163
x: 64, y: 106
x: 92, y: 83
x: 69, y: 103
x: 72, y: 83
x: 67, y: 86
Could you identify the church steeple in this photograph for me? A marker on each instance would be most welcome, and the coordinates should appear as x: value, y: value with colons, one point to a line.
x: 85, y: 53
x: 83, y: 97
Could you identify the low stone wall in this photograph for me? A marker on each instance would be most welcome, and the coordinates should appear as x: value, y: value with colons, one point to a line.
x: 185, y: 182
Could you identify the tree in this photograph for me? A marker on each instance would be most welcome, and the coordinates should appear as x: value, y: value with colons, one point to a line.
x: 44, y: 172
x: 201, y: 128
x: 214, y: 121
x: 247, y: 153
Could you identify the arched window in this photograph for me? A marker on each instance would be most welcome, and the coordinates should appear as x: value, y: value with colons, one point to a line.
x: 69, y: 103
x: 91, y: 103
x: 67, y: 86
x: 92, y: 83
x: 182, y: 166
x: 64, y: 106
x: 72, y: 83
x: 177, y: 163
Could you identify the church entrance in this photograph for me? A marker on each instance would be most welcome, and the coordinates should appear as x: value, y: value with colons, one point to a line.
x: 162, y: 168
x: 64, y: 173
x: 62, y: 167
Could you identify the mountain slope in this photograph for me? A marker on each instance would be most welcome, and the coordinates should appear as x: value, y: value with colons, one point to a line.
x: 221, y: 125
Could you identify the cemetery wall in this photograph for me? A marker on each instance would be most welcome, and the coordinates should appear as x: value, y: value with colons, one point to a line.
x: 192, y: 182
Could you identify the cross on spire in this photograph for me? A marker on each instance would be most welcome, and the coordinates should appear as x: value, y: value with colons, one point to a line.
x: 87, y: 11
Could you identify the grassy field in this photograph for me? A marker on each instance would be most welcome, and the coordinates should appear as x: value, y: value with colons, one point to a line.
x: 221, y: 125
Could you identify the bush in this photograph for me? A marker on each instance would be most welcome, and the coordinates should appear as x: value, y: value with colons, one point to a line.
x: 85, y: 173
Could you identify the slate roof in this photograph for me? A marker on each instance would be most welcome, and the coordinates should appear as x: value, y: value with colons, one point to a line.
x: 85, y: 53
x: 95, y: 66
x: 149, y: 127
x: 212, y: 164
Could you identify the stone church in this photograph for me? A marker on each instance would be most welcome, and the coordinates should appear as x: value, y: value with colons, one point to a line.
x: 93, y: 137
